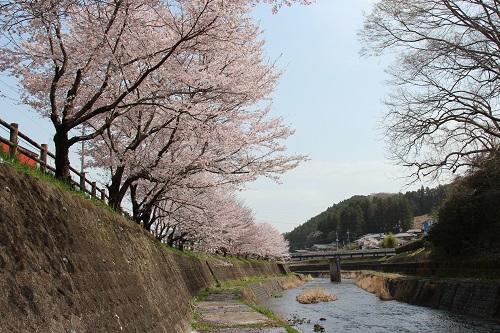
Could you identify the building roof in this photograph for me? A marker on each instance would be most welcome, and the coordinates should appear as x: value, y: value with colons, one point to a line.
x: 404, y: 235
x: 323, y: 246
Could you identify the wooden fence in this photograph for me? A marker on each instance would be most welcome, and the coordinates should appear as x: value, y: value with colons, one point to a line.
x: 40, y: 157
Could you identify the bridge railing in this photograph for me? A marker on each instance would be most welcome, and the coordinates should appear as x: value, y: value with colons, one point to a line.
x: 301, y: 256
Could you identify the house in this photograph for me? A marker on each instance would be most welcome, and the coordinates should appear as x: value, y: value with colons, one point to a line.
x: 414, y: 231
x: 405, y: 237
x: 29, y: 158
x: 427, y: 224
x: 323, y: 247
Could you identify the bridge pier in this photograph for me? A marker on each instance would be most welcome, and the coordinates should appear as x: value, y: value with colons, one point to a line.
x: 335, y: 269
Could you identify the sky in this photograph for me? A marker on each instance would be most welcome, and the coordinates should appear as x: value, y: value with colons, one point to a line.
x: 332, y: 97
x: 328, y: 94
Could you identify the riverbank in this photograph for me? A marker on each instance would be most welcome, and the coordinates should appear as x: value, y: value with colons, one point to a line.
x: 224, y: 313
x: 470, y: 288
x: 357, y: 310
x: 474, y: 298
x: 234, y: 307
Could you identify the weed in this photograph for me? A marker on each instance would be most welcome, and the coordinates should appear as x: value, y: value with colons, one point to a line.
x: 315, y: 295
x: 273, y: 317
x: 292, y: 281
x: 49, y: 178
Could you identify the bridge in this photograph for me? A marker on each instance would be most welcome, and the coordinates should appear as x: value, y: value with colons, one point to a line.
x: 334, y: 258
x: 313, y: 255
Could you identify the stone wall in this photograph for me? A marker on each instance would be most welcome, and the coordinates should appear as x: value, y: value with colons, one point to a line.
x: 69, y: 266
x: 476, y: 300
x: 262, y: 290
x: 224, y: 271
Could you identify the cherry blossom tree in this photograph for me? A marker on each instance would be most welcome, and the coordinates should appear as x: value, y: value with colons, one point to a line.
x: 171, y: 93
x: 262, y: 240
x: 204, y: 124
x: 161, y: 207
x: 227, y: 219
x: 369, y: 242
x: 89, y: 61
x: 212, y: 219
x: 235, y: 152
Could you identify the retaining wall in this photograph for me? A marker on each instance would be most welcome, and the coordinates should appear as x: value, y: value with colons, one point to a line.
x: 476, y: 300
x: 69, y: 266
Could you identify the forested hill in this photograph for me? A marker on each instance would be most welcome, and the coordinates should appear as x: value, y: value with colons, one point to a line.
x: 376, y: 213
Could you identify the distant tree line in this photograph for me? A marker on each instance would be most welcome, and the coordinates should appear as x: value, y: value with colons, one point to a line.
x: 359, y: 215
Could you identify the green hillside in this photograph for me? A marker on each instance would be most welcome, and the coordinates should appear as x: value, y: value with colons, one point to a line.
x: 359, y: 215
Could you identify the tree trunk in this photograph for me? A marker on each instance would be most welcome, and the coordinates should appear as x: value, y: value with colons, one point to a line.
x: 170, y: 237
x: 62, y: 154
x: 136, y: 212
x: 146, y: 219
x: 170, y: 241
x: 115, y: 196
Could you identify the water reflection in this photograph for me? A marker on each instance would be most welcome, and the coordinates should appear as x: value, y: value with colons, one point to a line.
x: 359, y: 311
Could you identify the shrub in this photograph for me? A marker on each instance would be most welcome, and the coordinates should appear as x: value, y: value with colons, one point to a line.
x: 389, y: 241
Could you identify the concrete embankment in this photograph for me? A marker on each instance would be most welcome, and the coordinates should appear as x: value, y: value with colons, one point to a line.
x: 480, y: 300
x: 222, y: 311
x: 69, y: 266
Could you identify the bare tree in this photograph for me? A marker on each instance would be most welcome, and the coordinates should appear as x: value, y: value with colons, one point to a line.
x: 443, y: 110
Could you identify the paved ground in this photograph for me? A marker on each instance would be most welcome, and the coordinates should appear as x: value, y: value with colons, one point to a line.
x: 223, y: 312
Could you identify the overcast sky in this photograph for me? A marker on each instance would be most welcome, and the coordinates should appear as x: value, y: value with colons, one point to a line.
x: 330, y: 96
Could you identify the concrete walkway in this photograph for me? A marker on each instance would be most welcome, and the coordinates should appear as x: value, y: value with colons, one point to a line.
x: 225, y: 314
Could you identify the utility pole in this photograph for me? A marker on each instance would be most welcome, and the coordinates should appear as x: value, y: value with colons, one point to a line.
x: 337, y: 239
x: 82, y: 157
x: 348, y: 237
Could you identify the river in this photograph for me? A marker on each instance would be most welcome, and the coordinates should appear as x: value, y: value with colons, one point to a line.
x: 357, y: 310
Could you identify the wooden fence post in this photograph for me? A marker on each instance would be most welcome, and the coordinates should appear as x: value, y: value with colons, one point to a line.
x: 82, y: 182
x: 13, y: 139
x: 43, y: 157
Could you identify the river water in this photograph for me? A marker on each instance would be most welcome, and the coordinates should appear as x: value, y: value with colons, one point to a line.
x: 357, y: 310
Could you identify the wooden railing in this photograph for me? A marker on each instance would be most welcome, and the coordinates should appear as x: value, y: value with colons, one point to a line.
x: 40, y: 159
